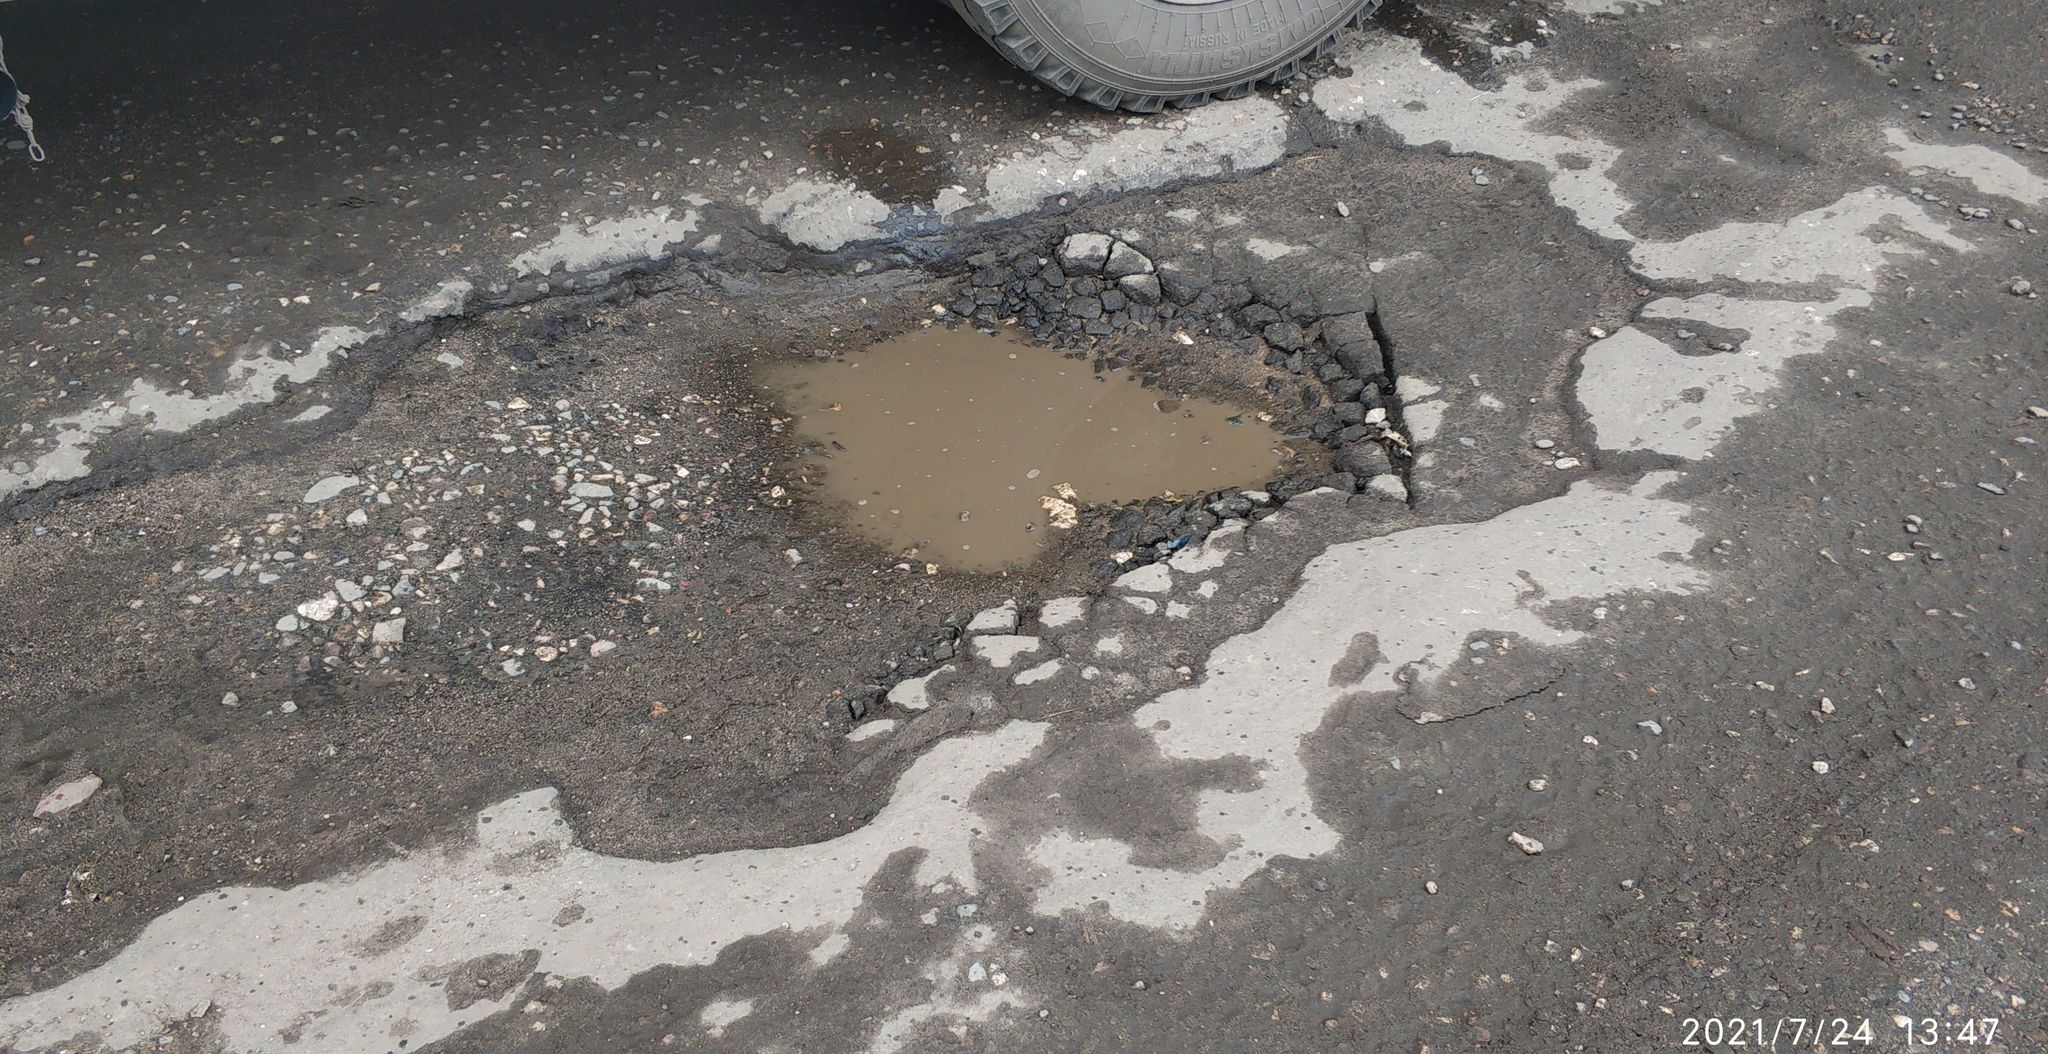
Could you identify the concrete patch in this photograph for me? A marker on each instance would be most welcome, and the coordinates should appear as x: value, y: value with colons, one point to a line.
x: 1641, y: 394
x: 1604, y: 7
x: 277, y: 963
x: 1980, y: 166
x: 963, y: 988
x: 250, y: 380
x: 720, y: 1014
x: 649, y: 235
x: 1833, y: 244
x: 1420, y: 593
x: 1424, y: 103
x: 447, y: 300
x: 824, y: 216
x: 1237, y: 136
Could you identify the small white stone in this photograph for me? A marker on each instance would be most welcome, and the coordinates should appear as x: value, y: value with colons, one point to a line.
x: 68, y: 795
x: 871, y: 729
x: 320, y: 608
x: 1389, y: 487
x: 348, y: 591
x: 1084, y: 253
x: 389, y: 631
x: 1043, y: 671
x: 1539, y: 784
x: 328, y: 488
x: 590, y: 490
x: 358, y: 518
x: 602, y: 648
x: 289, y: 624
x: 915, y: 693
x: 999, y: 619
x: 1822, y: 767
x: 450, y: 562
x: 1525, y: 843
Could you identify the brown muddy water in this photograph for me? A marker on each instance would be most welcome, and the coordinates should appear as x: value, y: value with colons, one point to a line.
x: 968, y: 450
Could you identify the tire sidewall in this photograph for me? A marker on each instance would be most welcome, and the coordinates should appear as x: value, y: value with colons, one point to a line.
x: 1153, y: 47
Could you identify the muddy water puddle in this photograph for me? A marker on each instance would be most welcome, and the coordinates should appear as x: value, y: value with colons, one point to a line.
x: 971, y: 449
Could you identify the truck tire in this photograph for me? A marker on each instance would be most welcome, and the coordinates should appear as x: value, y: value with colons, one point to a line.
x: 1145, y: 55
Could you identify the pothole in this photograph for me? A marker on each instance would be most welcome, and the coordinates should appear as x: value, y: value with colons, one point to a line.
x: 971, y: 450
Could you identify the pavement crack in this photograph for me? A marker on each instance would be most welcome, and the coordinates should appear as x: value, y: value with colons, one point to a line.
x: 1404, y: 452
x: 1530, y: 694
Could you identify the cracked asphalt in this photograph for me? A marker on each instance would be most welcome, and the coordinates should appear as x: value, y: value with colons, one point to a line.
x: 420, y: 631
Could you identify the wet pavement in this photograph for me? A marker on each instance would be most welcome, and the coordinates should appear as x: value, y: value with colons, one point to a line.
x: 426, y: 631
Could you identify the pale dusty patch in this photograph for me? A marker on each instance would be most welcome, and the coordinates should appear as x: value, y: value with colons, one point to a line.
x: 1002, y: 650
x: 1424, y: 103
x: 1151, y: 578
x: 871, y: 729
x: 1988, y: 170
x: 449, y: 299
x: 1044, y: 671
x: 915, y: 693
x: 1060, y: 611
x: 1842, y: 244
x: 1210, y: 553
x: 824, y: 216
x: 250, y: 380
x: 1604, y: 7
x: 306, y: 958
x: 593, y: 244
x: 720, y: 1014
x: 1266, y: 249
x: 829, y: 949
x: 1641, y: 394
x: 1241, y: 135
x: 966, y: 986
x: 1423, y: 412
x: 1420, y: 593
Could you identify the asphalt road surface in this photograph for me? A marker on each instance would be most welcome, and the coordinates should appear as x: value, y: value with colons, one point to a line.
x: 419, y: 629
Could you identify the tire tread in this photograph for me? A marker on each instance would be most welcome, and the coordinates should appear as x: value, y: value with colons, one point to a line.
x: 997, y: 22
